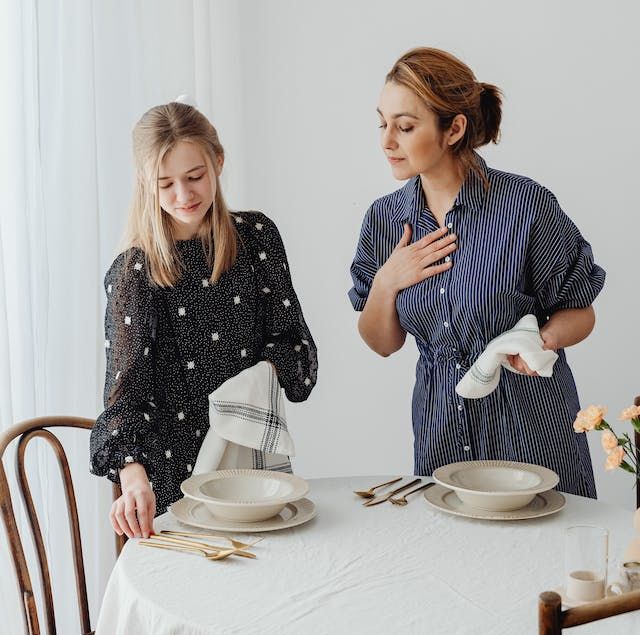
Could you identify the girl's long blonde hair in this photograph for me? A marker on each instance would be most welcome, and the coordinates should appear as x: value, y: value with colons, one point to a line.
x: 148, y: 227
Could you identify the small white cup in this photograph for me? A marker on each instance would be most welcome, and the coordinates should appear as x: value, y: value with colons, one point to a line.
x: 586, y: 550
x: 629, y: 574
x: 585, y: 586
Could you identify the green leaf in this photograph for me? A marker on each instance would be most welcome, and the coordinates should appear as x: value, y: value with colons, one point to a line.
x: 625, y: 466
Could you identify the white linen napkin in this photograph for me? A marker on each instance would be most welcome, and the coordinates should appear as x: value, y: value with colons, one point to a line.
x: 523, y: 339
x: 247, y: 424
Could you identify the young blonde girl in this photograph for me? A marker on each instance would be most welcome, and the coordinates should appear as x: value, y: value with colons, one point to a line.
x: 199, y: 294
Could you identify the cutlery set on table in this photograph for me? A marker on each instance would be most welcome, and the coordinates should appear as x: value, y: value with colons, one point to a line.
x: 185, y: 541
x: 392, y: 497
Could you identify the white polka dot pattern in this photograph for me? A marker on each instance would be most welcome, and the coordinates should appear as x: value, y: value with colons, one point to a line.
x: 171, y: 347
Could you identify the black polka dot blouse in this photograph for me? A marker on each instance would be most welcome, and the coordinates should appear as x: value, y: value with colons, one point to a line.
x: 167, y: 349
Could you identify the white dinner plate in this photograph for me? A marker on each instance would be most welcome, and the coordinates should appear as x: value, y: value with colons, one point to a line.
x: 192, y: 512
x: 446, y: 500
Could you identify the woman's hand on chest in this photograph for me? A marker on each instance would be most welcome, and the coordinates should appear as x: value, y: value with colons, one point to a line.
x: 411, y: 263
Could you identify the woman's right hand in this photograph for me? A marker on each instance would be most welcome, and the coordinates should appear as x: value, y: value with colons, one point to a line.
x: 409, y: 264
x: 132, y: 514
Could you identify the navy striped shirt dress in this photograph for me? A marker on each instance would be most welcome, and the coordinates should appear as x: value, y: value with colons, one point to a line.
x: 518, y: 253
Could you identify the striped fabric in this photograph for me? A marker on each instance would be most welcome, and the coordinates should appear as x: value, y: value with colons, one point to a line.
x: 517, y: 253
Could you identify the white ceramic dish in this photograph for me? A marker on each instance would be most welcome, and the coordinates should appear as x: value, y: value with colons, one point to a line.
x: 570, y: 602
x: 496, y: 485
x: 245, y: 495
x: 447, y: 500
x: 194, y: 513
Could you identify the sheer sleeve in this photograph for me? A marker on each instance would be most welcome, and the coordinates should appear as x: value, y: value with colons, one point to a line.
x: 125, y: 430
x: 561, y: 270
x: 288, y: 342
x: 364, y: 266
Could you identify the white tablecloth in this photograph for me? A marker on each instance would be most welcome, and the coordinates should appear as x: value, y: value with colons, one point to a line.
x: 353, y: 569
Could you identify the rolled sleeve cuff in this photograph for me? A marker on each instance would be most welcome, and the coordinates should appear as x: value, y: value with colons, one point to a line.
x: 357, y: 299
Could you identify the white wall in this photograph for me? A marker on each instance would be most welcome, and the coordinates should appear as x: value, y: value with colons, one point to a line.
x: 292, y: 86
x: 312, y: 73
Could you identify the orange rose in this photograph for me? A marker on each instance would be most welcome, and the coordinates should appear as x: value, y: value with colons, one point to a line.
x: 589, y: 418
x: 609, y: 441
x: 630, y: 413
x: 614, y: 458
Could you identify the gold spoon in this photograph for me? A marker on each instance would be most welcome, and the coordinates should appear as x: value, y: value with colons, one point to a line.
x: 369, y: 492
x: 402, y: 500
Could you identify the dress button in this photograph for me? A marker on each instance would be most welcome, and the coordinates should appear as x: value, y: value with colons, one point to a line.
x: 466, y: 448
x: 447, y: 258
x: 446, y: 325
x: 449, y: 225
x: 459, y: 406
x: 441, y: 290
x: 458, y: 367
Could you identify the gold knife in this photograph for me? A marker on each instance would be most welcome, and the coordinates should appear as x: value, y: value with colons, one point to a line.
x: 386, y: 497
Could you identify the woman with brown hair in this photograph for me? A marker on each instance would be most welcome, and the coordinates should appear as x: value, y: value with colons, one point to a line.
x: 199, y: 295
x: 457, y: 257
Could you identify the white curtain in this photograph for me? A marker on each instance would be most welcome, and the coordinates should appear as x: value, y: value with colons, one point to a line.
x: 75, y: 77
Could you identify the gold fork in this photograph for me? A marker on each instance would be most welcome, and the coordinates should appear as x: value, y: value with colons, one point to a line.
x: 402, y: 500
x: 209, y: 555
x: 203, y: 545
x: 192, y: 534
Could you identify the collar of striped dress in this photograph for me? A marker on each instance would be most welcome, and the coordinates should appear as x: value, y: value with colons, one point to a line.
x: 471, y: 195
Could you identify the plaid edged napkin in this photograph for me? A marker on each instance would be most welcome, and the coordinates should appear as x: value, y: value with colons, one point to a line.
x: 247, y: 424
x: 523, y: 339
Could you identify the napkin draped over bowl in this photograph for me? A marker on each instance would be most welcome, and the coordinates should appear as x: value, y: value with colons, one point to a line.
x: 247, y: 424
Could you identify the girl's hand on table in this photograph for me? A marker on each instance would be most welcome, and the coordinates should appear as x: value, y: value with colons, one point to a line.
x: 132, y: 514
x: 409, y: 264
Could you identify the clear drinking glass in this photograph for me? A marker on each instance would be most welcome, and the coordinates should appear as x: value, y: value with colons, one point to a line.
x: 586, y: 550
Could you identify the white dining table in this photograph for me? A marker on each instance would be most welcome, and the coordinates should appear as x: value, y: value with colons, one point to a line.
x: 355, y: 569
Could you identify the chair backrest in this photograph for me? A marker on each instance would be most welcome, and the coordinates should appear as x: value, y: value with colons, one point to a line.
x: 552, y: 619
x: 25, y: 432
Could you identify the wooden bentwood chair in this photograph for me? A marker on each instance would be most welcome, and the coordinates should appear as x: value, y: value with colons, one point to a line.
x: 552, y: 619
x: 26, y: 431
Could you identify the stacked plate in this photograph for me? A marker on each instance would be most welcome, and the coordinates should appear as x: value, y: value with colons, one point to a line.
x: 244, y: 500
x: 495, y: 490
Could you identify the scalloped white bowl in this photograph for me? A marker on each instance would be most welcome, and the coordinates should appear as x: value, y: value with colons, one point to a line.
x: 243, y: 495
x: 496, y: 485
